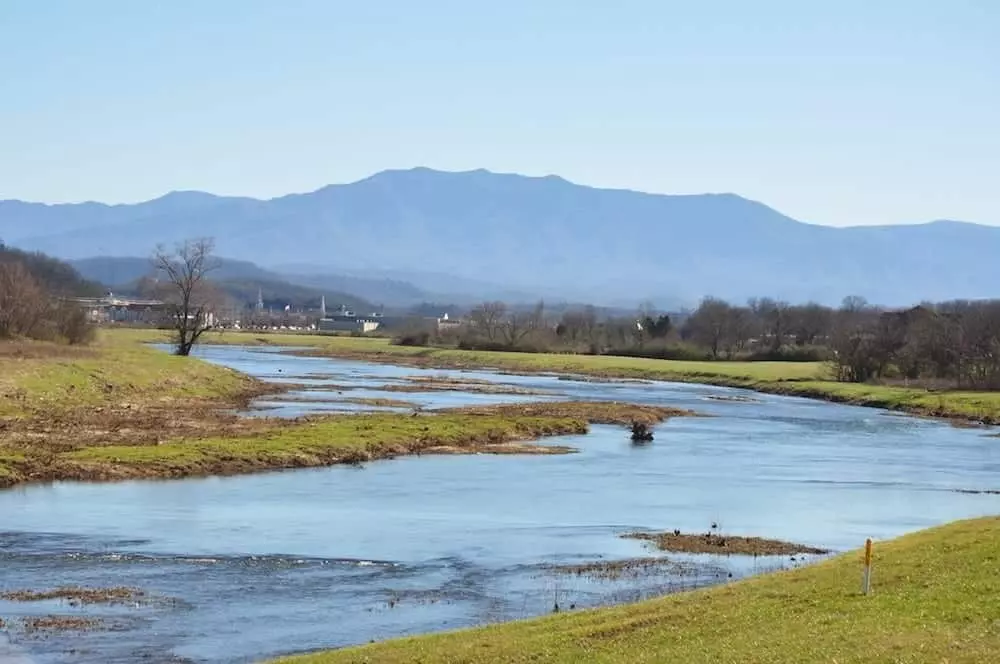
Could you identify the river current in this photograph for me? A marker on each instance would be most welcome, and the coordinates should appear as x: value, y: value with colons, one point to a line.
x: 244, y: 568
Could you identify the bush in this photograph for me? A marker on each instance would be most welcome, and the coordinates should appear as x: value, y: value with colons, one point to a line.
x: 792, y: 354
x: 71, y: 324
x: 28, y: 310
x: 674, y: 351
x: 413, y: 338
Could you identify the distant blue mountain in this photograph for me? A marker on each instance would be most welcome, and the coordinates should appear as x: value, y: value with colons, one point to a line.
x: 544, y: 236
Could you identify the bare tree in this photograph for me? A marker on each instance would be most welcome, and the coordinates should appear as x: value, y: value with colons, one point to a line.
x: 186, y: 290
x: 810, y: 323
x: 774, y: 318
x: 487, y: 318
x: 23, y: 301
x: 521, y: 324
x: 709, y: 325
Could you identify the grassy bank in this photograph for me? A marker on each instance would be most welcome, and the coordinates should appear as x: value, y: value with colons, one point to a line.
x: 317, y: 442
x: 225, y: 444
x: 55, y: 399
x: 935, y: 600
x: 804, y: 379
x: 43, y: 379
x: 120, y: 409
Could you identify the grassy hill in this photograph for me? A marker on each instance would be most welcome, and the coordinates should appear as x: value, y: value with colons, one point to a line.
x: 936, y: 599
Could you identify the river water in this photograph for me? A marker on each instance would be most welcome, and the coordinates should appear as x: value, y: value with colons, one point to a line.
x: 243, y: 568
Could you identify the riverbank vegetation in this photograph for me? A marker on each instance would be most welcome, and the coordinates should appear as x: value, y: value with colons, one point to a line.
x: 722, y: 544
x: 36, y: 294
x: 56, y: 398
x: 935, y: 349
x: 49, y: 382
x: 219, y: 443
x: 119, y: 409
x: 944, y: 345
x: 318, y: 441
x: 802, y: 379
x: 934, y: 600
x: 593, y: 412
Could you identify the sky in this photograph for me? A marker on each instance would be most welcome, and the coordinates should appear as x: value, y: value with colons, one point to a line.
x: 838, y: 113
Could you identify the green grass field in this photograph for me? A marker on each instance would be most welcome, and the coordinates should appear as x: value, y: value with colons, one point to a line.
x: 318, y: 442
x: 936, y: 599
x: 37, y: 378
x: 806, y: 379
x: 377, y: 348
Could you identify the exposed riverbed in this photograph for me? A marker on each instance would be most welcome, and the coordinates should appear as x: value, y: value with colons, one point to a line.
x: 241, y: 568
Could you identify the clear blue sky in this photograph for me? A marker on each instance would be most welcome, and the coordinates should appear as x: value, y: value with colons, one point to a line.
x: 853, y: 112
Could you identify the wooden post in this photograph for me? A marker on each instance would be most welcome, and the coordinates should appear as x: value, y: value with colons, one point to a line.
x: 867, y: 584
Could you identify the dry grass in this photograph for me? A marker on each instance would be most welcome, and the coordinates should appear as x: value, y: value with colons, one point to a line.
x: 114, y: 595
x: 718, y: 544
x: 57, y: 399
x: 594, y: 412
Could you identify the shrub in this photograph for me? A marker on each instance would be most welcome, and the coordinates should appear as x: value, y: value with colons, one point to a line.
x: 71, y: 324
x: 413, y: 338
x: 792, y: 354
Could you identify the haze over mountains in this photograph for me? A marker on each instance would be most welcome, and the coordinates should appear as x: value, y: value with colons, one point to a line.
x: 534, y: 237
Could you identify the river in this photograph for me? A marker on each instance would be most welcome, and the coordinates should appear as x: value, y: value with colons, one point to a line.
x: 243, y: 568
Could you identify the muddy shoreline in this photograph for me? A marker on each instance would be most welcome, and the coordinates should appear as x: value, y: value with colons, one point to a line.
x: 205, y: 441
x: 716, y: 543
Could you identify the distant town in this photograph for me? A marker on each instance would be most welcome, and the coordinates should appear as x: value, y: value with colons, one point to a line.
x: 112, y: 309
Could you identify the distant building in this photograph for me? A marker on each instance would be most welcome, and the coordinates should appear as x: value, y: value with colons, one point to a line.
x: 445, y: 323
x: 346, y: 320
x: 113, y: 309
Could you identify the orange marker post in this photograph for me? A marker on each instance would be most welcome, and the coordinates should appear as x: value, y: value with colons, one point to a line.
x: 867, y: 585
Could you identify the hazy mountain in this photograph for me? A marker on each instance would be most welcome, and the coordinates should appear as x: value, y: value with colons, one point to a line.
x: 408, y: 286
x: 117, y: 270
x: 276, y: 294
x: 540, y: 236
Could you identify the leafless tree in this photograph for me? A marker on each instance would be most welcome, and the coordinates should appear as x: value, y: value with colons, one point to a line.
x: 773, y: 317
x: 23, y: 302
x: 580, y: 329
x: 519, y: 325
x: 187, y: 293
x: 738, y: 331
x: 487, y: 318
x: 810, y: 323
x: 708, y: 326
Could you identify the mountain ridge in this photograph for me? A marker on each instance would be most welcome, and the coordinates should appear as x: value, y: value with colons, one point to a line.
x: 542, y: 234
x: 477, y: 171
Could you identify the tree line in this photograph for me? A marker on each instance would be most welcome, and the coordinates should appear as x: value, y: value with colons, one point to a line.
x: 34, y: 298
x: 948, y: 344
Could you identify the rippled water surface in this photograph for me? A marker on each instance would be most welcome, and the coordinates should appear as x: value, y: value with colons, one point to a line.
x: 241, y: 568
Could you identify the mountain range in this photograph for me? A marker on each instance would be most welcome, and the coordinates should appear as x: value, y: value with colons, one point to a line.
x: 476, y: 232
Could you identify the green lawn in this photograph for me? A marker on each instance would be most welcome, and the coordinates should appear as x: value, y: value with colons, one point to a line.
x: 38, y: 378
x: 936, y: 599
